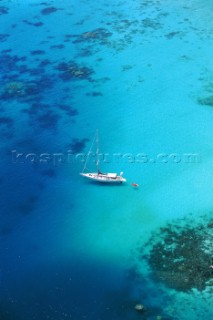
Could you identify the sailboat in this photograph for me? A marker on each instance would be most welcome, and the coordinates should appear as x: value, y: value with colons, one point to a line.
x: 99, y: 176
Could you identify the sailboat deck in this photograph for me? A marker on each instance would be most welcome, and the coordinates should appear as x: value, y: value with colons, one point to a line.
x: 108, y: 177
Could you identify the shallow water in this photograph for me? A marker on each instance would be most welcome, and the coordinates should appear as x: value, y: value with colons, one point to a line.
x: 142, y: 73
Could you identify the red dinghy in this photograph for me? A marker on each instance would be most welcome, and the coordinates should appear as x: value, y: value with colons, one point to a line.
x: 135, y: 185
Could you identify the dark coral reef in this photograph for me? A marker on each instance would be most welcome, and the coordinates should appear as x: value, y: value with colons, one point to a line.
x: 206, y: 101
x: 72, y: 71
x: 49, y: 10
x: 98, y: 35
x: 207, y: 97
x: 181, y: 257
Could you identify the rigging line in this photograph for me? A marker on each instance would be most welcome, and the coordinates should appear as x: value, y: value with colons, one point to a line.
x: 97, y: 151
x: 89, y: 152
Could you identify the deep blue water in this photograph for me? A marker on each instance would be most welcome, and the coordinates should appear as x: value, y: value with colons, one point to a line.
x: 141, y: 72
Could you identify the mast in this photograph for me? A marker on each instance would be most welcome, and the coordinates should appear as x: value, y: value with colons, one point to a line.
x: 89, y: 153
x: 97, y: 151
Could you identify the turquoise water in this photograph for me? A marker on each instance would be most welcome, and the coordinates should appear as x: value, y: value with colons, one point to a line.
x: 141, y: 72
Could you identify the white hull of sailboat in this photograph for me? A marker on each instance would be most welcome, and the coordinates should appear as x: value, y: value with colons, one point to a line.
x: 104, y: 178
